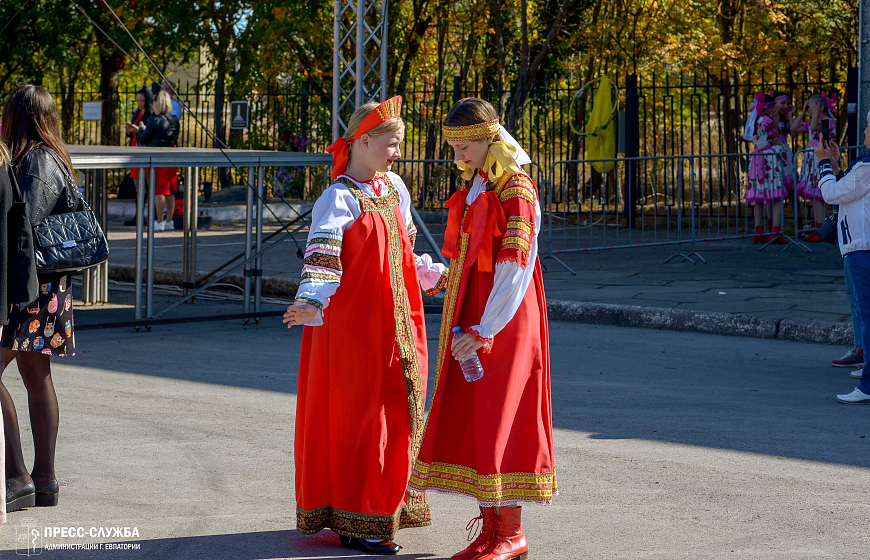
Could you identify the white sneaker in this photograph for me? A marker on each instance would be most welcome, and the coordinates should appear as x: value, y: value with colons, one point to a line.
x: 857, y: 373
x: 168, y: 226
x: 157, y: 226
x: 855, y: 397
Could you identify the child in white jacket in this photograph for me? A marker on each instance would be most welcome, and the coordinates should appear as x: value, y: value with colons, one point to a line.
x: 850, y: 190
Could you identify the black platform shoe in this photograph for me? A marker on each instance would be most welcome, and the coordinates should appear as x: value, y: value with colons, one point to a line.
x: 383, y: 547
x: 22, y: 497
x: 46, y: 493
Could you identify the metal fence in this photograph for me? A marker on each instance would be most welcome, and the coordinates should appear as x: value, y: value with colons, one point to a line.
x: 677, y: 114
x: 669, y: 200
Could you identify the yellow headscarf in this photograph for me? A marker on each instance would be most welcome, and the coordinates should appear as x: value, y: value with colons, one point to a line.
x: 500, y: 159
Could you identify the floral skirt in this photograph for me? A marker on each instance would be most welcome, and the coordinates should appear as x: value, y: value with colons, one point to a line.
x: 808, y: 181
x: 46, y: 325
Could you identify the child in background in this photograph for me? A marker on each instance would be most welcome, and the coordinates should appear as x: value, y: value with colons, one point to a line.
x: 821, y: 108
x: 784, y: 112
x: 767, y: 165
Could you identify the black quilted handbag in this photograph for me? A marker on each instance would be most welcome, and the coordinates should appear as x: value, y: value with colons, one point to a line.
x: 69, y: 242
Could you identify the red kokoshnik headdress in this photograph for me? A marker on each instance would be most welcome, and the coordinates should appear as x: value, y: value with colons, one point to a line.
x: 340, y: 149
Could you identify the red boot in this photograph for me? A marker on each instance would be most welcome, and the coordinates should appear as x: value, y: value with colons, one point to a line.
x: 758, y: 237
x: 813, y: 237
x: 489, y: 521
x: 509, y: 542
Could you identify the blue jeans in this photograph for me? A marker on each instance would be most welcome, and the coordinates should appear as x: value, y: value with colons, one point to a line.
x: 858, y: 264
x: 856, y: 318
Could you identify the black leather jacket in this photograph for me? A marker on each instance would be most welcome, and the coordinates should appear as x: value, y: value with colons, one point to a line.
x: 161, y: 131
x: 45, y: 188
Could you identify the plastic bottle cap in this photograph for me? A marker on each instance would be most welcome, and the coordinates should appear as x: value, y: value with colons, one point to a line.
x: 457, y: 330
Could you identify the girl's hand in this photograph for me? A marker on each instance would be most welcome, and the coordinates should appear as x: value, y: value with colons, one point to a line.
x: 299, y: 314
x: 806, y: 105
x: 823, y: 151
x: 464, y: 345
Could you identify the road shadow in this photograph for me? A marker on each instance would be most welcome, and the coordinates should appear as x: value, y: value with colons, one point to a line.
x: 747, y: 394
x: 761, y: 396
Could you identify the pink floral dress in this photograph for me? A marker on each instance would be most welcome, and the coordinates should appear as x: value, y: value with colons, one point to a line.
x: 790, y: 177
x: 766, y: 170
x: 808, y: 180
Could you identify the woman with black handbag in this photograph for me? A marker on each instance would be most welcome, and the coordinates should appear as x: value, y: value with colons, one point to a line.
x: 44, y: 328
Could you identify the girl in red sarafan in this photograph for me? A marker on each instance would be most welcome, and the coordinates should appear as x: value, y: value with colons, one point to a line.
x: 491, y: 439
x: 363, y: 365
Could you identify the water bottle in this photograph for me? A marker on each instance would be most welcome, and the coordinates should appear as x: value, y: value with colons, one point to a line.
x: 471, y: 368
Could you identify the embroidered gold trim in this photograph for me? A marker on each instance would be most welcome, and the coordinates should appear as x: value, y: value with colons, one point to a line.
x: 518, y: 185
x: 471, y: 132
x: 520, y: 223
x: 373, y: 203
x: 325, y: 241
x: 328, y: 277
x: 415, y: 514
x: 517, y: 243
x: 310, y: 301
x: 490, y: 489
x: 517, y: 192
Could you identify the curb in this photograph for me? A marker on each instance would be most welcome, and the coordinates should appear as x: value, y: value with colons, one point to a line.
x: 682, y: 320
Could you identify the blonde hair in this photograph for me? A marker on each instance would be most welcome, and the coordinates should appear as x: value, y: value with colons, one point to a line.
x: 358, y: 116
x: 4, y: 154
x: 163, y: 105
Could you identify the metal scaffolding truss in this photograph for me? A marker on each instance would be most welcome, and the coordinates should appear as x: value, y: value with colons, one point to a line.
x: 359, y: 58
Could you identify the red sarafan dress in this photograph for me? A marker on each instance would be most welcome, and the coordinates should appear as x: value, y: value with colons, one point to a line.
x: 492, y: 439
x: 363, y: 366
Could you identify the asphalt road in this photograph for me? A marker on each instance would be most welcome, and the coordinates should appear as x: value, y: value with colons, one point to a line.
x: 668, y: 445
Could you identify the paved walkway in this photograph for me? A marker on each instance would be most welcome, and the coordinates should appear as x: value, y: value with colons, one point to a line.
x: 765, y: 287
x: 185, y: 434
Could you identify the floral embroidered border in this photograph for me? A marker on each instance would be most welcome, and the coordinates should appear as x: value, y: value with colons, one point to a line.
x: 439, y: 287
x: 494, y: 489
x: 415, y: 514
x: 322, y: 260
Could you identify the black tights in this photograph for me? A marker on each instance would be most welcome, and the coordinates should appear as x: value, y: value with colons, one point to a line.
x: 35, y: 370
